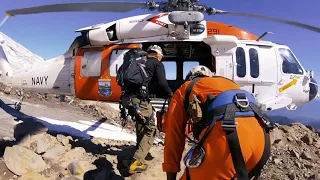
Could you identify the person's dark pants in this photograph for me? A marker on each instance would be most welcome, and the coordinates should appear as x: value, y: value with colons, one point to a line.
x: 145, y: 131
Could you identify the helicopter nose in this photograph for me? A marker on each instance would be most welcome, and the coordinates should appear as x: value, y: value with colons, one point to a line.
x: 313, y: 89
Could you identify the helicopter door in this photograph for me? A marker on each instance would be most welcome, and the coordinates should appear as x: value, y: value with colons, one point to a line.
x: 291, y: 75
x: 263, y: 73
x: 240, y: 75
x: 87, y: 72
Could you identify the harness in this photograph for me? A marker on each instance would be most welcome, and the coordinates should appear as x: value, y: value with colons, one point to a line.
x: 225, y: 107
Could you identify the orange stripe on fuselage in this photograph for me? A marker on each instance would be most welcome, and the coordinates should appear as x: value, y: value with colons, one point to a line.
x: 214, y: 28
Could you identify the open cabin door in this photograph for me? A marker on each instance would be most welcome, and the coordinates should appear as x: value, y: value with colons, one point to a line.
x: 222, y: 48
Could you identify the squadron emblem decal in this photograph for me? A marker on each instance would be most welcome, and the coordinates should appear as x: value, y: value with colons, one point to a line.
x: 105, y: 87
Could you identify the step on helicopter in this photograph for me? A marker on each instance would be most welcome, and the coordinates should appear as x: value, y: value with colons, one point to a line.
x: 87, y: 70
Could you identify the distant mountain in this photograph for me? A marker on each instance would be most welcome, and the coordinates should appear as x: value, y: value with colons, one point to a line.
x: 18, y: 56
x: 308, y: 114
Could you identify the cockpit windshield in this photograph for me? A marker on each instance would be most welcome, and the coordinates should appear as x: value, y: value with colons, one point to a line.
x: 290, y: 64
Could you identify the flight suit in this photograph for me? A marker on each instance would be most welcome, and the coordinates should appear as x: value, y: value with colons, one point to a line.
x: 217, y: 163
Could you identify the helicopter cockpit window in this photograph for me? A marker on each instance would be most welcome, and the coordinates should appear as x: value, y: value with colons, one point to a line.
x: 290, y: 64
x: 241, y: 62
x: 91, y: 63
x: 116, y: 60
x: 187, y: 65
x: 171, y: 70
x: 254, y: 63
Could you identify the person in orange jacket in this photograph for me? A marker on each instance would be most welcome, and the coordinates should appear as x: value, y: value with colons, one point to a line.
x: 216, y: 153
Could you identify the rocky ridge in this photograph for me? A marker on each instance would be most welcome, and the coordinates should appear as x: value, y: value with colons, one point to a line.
x: 36, y: 153
x: 295, y: 152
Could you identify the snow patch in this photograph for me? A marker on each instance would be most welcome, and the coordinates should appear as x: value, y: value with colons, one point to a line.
x: 18, y: 56
x: 87, y: 129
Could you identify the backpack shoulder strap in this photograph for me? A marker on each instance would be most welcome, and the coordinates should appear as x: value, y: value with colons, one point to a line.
x: 188, y: 92
x: 268, y: 126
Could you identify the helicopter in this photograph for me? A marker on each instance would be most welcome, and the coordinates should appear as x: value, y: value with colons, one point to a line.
x: 87, y: 70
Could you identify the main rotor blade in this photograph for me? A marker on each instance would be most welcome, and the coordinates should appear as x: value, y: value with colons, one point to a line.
x: 294, y: 23
x: 81, y: 6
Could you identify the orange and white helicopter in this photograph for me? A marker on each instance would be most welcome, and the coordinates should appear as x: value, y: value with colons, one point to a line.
x: 87, y: 70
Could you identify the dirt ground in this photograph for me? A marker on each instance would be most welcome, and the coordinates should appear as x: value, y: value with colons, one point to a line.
x: 295, y: 152
x: 50, y: 106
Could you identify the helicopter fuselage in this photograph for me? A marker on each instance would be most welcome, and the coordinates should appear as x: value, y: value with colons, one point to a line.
x: 270, y: 71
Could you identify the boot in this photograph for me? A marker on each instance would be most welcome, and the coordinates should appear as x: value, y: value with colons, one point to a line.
x: 137, y: 167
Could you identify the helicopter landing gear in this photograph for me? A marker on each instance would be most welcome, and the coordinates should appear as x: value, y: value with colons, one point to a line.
x: 17, y: 105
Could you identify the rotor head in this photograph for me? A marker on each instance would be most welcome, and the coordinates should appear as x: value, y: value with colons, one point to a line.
x: 125, y: 6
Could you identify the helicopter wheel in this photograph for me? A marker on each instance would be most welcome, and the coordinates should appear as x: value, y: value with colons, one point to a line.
x: 17, y: 106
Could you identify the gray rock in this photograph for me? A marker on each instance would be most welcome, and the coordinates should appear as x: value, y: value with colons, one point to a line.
x: 21, y: 160
x: 54, y: 154
x: 276, y: 136
x: 314, y: 177
x: 7, y: 90
x: 75, y: 154
x: 65, y: 140
x: 277, y: 161
x: 290, y: 139
x: 305, y: 155
x: 32, y: 176
x: 294, y: 153
x: 42, y: 146
x: 298, y: 164
x: 75, y: 168
x: 70, y: 178
x: 307, y: 139
x: 292, y: 176
x: 309, y: 166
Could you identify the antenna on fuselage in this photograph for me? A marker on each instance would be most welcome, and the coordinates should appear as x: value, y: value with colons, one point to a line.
x: 264, y: 34
x: 5, y: 19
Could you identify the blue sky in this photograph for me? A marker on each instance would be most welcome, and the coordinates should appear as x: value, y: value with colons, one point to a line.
x: 50, y: 34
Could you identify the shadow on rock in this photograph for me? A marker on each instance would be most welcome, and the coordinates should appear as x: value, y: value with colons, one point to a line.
x: 124, y: 155
x: 31, y: 125
x: 120, y: 150
x: 51, y: 128
x: 125, y: 159
x: 104, y: 171
x: 22, y: 131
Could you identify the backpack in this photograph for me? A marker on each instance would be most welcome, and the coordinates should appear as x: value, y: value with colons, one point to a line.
x: 225, y: 107
x: 132, y: 72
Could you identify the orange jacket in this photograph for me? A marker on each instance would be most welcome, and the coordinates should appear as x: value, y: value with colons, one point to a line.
x: 217, y: 163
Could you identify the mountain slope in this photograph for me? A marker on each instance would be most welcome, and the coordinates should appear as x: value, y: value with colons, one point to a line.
x: 18, y: 56
x: 307, y: 114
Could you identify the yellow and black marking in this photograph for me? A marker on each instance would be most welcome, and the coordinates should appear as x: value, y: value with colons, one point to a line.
x: 291, y: 83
